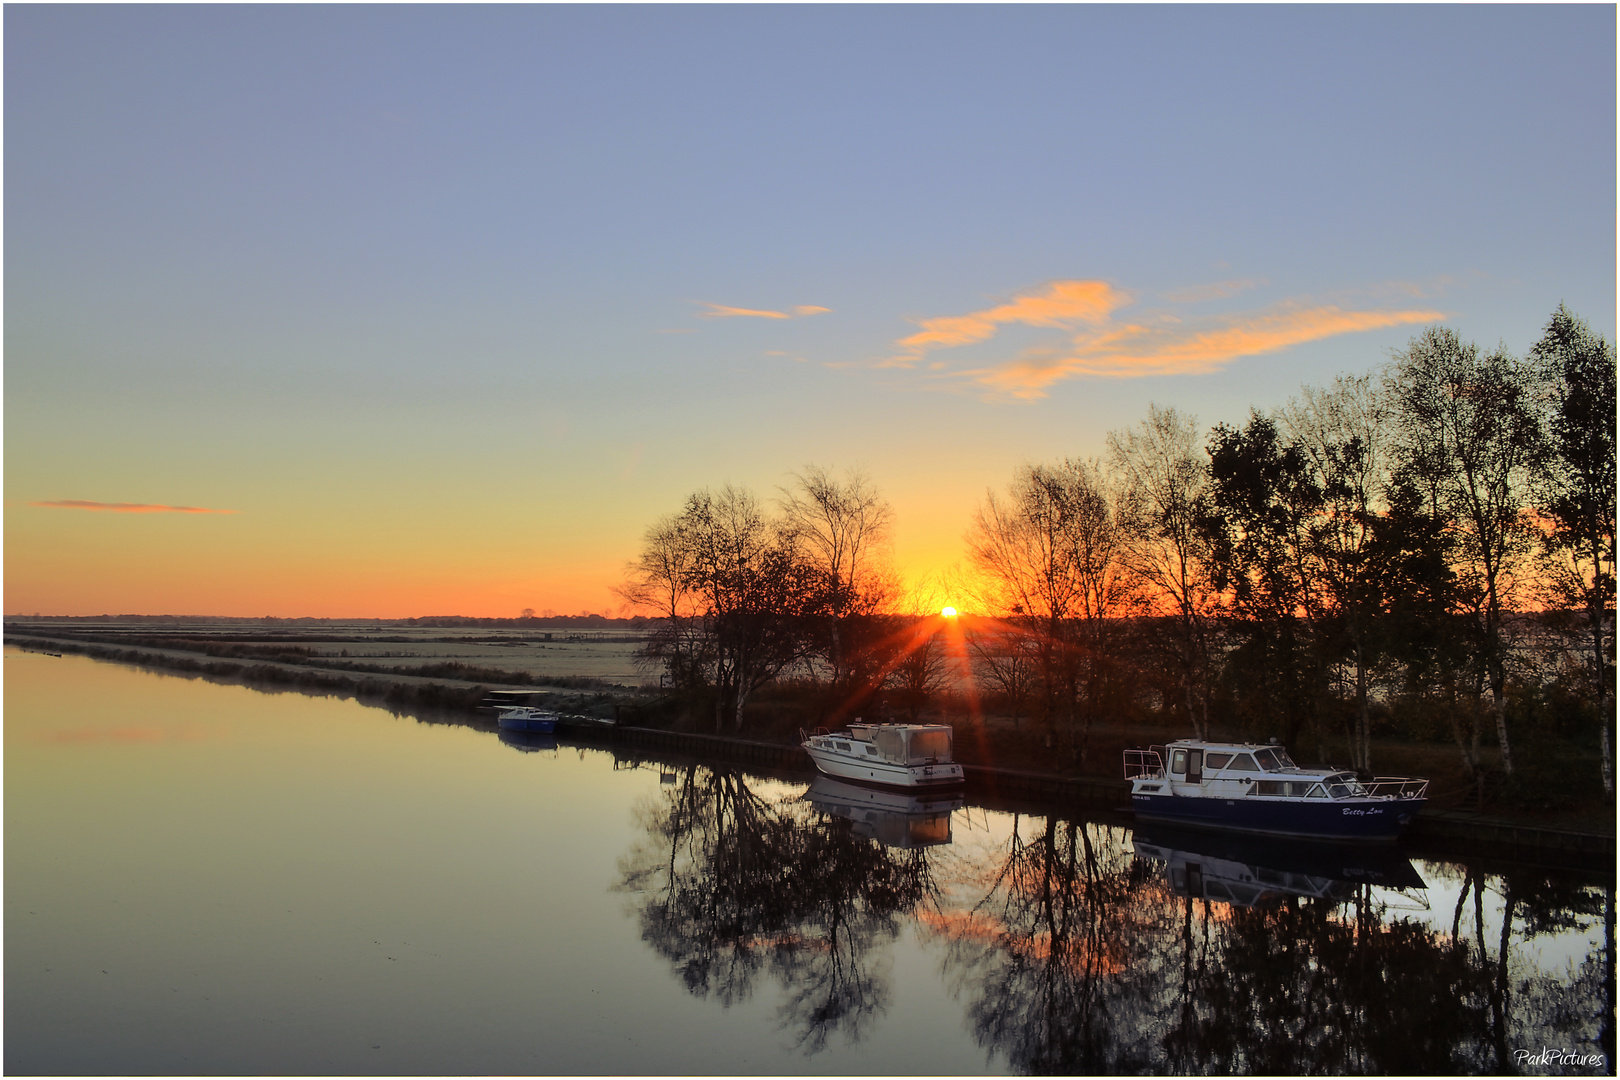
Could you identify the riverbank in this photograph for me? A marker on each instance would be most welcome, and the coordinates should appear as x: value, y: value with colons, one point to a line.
x: 1584, y: 843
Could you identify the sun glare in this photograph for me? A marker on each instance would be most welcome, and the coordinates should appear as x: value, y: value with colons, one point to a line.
x: 948, y: 612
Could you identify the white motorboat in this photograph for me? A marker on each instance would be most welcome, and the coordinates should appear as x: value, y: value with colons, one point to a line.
x: 895, y: 755
x: 1257, y: 788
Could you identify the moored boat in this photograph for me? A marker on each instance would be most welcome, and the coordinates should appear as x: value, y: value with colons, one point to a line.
x: 1258, y: 788
x: 523, y: 718
x: 894, y: 755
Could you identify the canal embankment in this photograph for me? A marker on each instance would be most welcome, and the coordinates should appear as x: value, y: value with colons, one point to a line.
x: 592, y: 717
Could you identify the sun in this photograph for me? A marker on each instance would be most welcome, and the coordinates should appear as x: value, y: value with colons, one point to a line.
x: 948, y: 611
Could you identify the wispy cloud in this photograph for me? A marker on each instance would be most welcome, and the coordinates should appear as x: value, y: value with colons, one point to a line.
x: 126, y: 508
x: 1094, y: 343
x: 722, y: 311
x: 1171, y: 347
x: 1060, y: 305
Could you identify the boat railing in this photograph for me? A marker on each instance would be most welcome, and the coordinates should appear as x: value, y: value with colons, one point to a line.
x: 1397, y: 787
x: 1144, y: 763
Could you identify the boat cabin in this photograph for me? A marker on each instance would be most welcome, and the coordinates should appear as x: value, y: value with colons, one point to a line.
x: 900, y: 744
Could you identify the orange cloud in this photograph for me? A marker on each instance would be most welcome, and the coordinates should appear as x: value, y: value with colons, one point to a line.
x: 721, y: 311
x: 1099, y: 346
x: 1061, y: 305
x: 1170, y: 347
x: 126, y: 508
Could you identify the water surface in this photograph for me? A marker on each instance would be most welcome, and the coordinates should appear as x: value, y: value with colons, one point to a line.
x: 204, y: 878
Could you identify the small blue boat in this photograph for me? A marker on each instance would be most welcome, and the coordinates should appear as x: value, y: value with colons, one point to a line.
x: 1257, y: 788
x: 523, y: 718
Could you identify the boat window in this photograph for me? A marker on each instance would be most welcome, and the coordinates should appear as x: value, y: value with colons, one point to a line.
x: 1214, y: 761
x: 844, y: 746
x: 1268, y: 760
x: 1178, y: 761
x: 1316, y: 792
x: 1295, y: 789
x: 1282, y: 756
x: 1244, y: 763
x: 870, y: 749
x: 1338, y: 791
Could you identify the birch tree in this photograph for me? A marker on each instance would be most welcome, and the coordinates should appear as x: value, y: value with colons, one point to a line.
x: 1468, y: 425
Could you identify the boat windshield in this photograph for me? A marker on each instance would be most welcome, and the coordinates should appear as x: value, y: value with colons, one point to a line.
x: 1274, y: 759
x: 1344, y: 785
x: 930, y: 744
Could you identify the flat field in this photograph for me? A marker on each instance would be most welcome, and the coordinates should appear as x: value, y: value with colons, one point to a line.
x: 594, y: 654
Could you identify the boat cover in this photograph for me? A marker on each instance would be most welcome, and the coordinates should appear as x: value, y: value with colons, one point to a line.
x: 912, y: 745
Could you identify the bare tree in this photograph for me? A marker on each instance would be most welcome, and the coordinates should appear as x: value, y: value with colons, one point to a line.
x: 1048, y: 553
x: 842, y: 528
x: 660, y: 580
x: 1163, y: 502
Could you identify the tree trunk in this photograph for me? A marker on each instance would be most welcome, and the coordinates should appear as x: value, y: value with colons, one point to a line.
x: 1362, y: 754
x: 1600, y: 673
x: 1499, y: 702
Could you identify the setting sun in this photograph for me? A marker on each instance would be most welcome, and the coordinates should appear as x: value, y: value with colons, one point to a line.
x: 948, y: 612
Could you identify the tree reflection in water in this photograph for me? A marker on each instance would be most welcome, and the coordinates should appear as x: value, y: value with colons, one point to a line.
x: 731, y: 885
x: 1081, y: 957
x: 1073, y: 954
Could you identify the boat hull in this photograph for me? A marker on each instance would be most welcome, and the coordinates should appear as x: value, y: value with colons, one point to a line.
x: 1323, y: 819
x: 543, y: 725
x: 882, y: 773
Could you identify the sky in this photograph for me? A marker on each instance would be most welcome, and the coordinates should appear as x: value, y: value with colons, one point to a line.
x: 382, y: 311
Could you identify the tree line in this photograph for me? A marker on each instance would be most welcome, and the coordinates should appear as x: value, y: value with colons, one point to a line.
x: 1416, y: 548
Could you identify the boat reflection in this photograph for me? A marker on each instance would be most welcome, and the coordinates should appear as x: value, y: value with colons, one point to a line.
x: 1251, y: 871
x: 528, y: 742
x: 896, y: 819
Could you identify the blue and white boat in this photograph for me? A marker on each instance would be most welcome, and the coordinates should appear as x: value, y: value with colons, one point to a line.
x: 1257, y: 788
x: 523, y: 718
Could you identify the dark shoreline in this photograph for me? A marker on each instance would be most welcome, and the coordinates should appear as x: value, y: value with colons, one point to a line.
x: 1437, y: 833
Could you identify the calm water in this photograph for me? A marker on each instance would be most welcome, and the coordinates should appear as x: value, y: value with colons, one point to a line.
x: 207, y: 879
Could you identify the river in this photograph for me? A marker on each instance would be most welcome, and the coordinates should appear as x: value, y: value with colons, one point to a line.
x: 203, y: 878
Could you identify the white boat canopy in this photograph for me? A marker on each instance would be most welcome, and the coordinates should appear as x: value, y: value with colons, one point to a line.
x: 907, y: 744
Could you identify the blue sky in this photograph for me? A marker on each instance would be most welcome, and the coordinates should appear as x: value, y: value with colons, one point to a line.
x: 446, y: 304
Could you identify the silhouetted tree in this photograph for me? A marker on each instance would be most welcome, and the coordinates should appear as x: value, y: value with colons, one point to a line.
x: 1264, y: 498
x: 1579, y: 497
x: 1164, y: 480
x: 1469, y: 432
x: 740, y: 601
x: 841, y: 528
